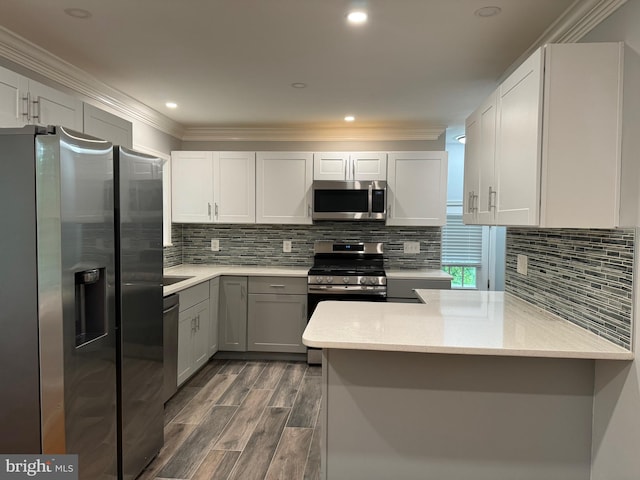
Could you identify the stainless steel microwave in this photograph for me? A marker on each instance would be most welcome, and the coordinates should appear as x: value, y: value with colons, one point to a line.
x: 349, y: 200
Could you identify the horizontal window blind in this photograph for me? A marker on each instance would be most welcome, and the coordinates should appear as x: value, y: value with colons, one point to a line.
x: 461, y: 244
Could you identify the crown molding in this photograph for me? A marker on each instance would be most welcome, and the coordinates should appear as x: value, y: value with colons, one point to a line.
x: 33, y: 58
x: 578, y: 20
x: 314, y: 133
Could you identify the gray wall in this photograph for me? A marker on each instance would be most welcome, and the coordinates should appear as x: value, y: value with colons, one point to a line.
x: 616, y: 426
x: 316, y: 146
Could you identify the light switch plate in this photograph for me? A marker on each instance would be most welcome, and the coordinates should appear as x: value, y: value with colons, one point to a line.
x: 286, y: 246
x: 412, y: 247
x: 522, y: 266
x: 215, y: 245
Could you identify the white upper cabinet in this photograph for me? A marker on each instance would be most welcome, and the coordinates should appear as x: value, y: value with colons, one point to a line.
x: 350, y: 166
x: 52, y: 107
x: 234, y: 190
x: 518, y: 135
x: 192, y: 187
x: 107, y: 126
x: 11, y: 104
x: 24, y: 101
x: 480, y: 131
x: 213, y: 187
x: 417, y: 188
x: 564, y: 132
x: 283, y: 187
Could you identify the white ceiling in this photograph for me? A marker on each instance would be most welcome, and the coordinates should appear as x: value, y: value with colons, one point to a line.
x: 231, y: 62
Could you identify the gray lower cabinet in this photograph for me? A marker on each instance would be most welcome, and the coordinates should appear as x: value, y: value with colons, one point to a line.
x: 401, y: 290
x: 214, y: 302
x: 193, y: 330
x: 277, y: 314
x: 232, y: 314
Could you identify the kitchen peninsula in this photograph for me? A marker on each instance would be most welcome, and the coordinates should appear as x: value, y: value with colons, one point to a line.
x: 467, y: 385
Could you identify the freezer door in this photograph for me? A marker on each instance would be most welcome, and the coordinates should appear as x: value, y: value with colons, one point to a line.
x: 76, y: 299
x: 139, y: 320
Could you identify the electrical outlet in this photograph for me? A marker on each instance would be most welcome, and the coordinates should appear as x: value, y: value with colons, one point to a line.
x: 522, y: 264
x: 412, y: 247
x: 215, y: 245
x: 286, y: 246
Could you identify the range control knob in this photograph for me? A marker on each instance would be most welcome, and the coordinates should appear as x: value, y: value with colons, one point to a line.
x: 329, y: 279
x: 372, y: 281
x: 363, y: 280
x: 345, y: 279
x: 319, y: 279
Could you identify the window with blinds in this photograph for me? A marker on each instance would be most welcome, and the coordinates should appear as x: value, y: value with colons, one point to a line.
x: 461, y: 244
x: 461, y: 249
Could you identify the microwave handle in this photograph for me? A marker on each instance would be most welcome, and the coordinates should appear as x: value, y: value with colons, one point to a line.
x: 370, y: 200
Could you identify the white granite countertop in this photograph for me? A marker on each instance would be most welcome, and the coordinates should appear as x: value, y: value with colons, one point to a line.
x: 421, y: 273
x: 202, y: 273
x: 455, y: 322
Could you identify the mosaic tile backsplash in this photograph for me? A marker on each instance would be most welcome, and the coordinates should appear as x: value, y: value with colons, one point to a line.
x: 584, y: 276
x: 262, y: 244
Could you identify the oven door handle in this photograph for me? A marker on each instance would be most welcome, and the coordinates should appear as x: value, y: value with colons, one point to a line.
x: 346, y: 291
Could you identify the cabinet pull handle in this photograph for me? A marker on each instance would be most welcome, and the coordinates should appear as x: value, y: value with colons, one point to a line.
x: 309, y: 210
x: 475, y: 202
x: 198, y: 322
x: 470, y: 203
x: 492, y: 196
x: 389, y: 211
x: 26, y: 107
x: 209, y: 209
x: 276, y: 286
x: 36, y: 106
x: 193, y: 325
x: 346, y: 172
x: 216, y: 210
x: 353, y: 169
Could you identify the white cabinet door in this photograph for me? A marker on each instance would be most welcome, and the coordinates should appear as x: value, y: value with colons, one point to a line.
x: 214, y: 302
x: 234, y: 187
x: 191, y: 187
x: 283, y: 187
x: 330, y: 165
x: 518, y: 145
x: 350, y: 166
x: 12, y: 87
x: 471, y: 168
x: 417, y: 188
x: 369, y: 166
x: 485, y: 200
x: 107, y: 126
x: 52, y: 107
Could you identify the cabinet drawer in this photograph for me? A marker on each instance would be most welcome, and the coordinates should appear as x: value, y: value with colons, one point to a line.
x: 288, y: 285
x: 194, y: 295
x: 404, y: 288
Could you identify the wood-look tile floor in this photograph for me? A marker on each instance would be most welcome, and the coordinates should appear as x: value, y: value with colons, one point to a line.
x: 248, y: 420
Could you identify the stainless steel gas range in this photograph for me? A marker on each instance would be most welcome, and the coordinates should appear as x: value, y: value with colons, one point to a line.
x: 345, y: 271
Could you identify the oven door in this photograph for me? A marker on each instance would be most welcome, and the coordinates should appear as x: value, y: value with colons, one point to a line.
x: 314, y: 355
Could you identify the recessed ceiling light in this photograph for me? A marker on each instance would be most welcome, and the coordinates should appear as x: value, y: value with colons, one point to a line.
x: 487, y: 12
x: 80, y: 13
x: 357, y: 17
x: 299, y: 85
x: 349, y: 118
x: 462, y: 139
x: 171, y: 105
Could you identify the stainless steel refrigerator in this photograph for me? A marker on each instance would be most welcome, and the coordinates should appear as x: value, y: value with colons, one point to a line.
x: 138, y: 246
x: 69, y: 298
